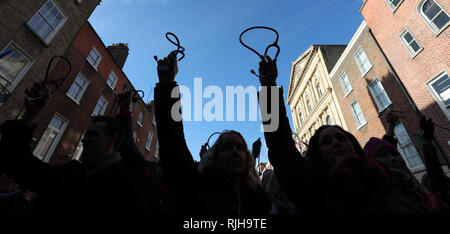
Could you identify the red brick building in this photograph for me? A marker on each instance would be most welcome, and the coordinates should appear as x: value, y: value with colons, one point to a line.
x: 366, y: 86
x: 32, y: 32
x: 415, y: 37
x: 90, y: 89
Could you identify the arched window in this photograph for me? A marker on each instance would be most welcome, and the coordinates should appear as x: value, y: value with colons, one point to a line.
x: 299, y: 111
x: 433, y: 15
x: 308, y: 103
x: 319, y: 90
x: 329, y: 120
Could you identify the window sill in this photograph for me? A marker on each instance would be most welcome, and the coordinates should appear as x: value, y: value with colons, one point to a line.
x: 418, y: 52
x: 348, y: 93
x: 95, y: 67
x: 139, y: 124
x: 384, y: 108
x: 418, y: 169
x: 73, y: 99
x: 43, y: 41
x: 442, y: 29
x: 368, y: 70
x: 358, y: 128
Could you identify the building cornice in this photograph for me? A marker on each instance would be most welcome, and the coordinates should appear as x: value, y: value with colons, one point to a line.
x: 310, y: 52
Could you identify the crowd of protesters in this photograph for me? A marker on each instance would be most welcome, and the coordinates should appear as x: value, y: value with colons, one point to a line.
x: 335, y: 176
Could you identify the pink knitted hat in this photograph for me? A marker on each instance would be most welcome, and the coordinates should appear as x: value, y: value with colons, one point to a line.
x: 374, y: 144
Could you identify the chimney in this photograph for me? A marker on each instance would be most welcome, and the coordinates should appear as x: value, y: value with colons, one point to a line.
x: 119, y: 51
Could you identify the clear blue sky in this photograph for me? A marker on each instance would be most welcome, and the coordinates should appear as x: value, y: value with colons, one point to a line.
x: 209, y: 30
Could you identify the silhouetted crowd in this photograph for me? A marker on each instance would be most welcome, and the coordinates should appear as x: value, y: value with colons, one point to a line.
x: 335, y: 176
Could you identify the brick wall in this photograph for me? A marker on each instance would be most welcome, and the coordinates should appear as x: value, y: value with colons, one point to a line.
x: 414, y: 72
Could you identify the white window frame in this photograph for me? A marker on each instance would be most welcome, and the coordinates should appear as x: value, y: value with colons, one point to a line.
x: 392, y: 6
x: 56, y: 29
x: 356, y: 117
x: 135, y: 136
x: 79, y: 150
x: 113, y: 85
x: 102, y: 111
x: 429, y: 22
x: 408, y: 44
x: 97, y: 62
x: 148, y: 143
x: 140, y: 118
x: 155, y: 154
x: 362, y: 66
x: 154, y: 120
x: 376, y: 95
x: 83, y: 89
x: 437, y: 96
x: 54, y: 144
x: 401, y: 146
x: 12, y: 84
x: 343, y: 84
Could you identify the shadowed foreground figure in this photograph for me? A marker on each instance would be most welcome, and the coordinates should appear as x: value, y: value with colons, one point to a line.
x: 335, y: 177
x: 225, y: 182
x: 99, y: 184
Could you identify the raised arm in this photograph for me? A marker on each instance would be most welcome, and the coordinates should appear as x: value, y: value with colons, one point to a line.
x: 290, y: 167
x: 176, y: 159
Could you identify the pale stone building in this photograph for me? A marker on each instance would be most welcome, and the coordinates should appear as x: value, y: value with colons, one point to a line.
x: 311, y: 96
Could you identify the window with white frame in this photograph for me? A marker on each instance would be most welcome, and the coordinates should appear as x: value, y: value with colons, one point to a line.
x: 406, y: 148
x: 300, y: 114
x: 308, y: 104
x: 135, y: 136
x: 345, y: 83
x: 154, y: 120
x: 156, y: 154
x: 112, y: 80
x: 14, y: 64
x: 139, y: 119
x: 131, y: 106
x: 440, y: 89
x: 329, y: 120
x: 393, y: 4
x: 100, y: 108
x: 78, y: 150
x: 48, y: 21
x: 50, y: 138
x: 94, y: 57
x: 78, y: 88
x: 357, y: 114
x: 410, y: 43
x: 433, y: 15
x: 379, y: 94
x: 319, y: 90
x: 149, y: 140
x: 363, y: 62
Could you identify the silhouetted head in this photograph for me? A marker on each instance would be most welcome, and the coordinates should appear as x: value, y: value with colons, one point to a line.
x: 385, y: 153
x: 230, y: 157
x: 104, y: 136
x: 329, y: 144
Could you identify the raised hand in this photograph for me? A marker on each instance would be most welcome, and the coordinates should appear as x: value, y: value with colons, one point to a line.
x: 36, y: 99
x: 427, y: 127
x: 168, y: 68
x: 268, y: 71
x: 124, y: 101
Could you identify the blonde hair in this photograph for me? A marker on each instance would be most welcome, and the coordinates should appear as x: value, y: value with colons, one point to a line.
x: 208, y: 162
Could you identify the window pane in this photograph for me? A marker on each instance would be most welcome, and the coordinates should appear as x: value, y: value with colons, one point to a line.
x: 415, y: 46
x: 74, y: 90
x: 40, y: 26
x: 384, y: 99
x: 408, y: 37
x: 56, y: 122
x: 442, y: 87
x: 431, y: 9
x: 395, y: 2
x: 441, y: 20
x: 11, y: 63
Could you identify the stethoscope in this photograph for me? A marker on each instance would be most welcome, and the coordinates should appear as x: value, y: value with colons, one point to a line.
x: 180, y: 50
x: 51, y: 86
x: 274, y: 44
